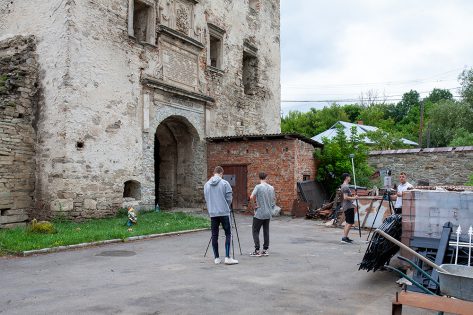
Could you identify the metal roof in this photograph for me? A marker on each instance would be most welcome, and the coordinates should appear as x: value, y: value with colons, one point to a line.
x: 249, y: 137
x: 360, y: 129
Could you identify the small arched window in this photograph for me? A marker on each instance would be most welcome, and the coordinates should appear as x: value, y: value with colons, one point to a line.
x: 132, y: 189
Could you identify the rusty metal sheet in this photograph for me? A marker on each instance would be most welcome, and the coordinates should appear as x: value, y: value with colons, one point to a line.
x: 313, y: 193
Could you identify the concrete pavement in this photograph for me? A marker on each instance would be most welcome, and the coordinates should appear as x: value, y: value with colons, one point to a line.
x: 308, y: 272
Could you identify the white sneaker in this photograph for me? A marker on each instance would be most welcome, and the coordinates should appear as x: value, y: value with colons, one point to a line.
x: 230, y: 261
x: 217, y: 261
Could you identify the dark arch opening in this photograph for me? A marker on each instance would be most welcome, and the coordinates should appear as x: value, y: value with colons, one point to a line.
x: 174, y: 147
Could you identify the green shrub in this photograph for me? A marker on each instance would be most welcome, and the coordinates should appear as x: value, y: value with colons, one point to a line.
x: 44, y: 227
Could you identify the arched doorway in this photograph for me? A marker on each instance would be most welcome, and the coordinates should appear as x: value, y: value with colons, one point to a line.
x: 176, y: 141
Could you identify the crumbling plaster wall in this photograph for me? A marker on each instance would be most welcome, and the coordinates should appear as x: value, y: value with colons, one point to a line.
x: 50, y: 23
x: 19, y: 100
x: 97, y: 127
x: 235, y: 112
x: 109, y: 68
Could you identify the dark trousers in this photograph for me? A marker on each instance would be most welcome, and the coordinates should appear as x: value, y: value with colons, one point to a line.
x: 215, y: 224
x: 257, y: 223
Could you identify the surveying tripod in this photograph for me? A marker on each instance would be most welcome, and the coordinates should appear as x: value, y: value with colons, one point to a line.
x: 386, y: 196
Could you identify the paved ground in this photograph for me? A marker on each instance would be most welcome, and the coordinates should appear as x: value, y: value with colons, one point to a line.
x: 308, y: 272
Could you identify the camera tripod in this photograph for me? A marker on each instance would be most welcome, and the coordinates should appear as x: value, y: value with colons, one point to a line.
x: 386, y: 196
x: 232, y: 215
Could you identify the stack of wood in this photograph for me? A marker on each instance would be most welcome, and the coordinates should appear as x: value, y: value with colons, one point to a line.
x: 322, y: 213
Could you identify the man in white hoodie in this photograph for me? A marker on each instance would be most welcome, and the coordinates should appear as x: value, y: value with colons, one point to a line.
x: 218, y: 195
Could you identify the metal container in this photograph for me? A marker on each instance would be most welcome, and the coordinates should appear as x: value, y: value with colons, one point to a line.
x: 458, y: 282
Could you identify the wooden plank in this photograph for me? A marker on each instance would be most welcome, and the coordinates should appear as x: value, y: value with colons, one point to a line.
x: 434, y: 303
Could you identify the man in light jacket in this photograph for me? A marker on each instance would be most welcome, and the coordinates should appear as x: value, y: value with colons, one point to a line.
x: 218, y: 196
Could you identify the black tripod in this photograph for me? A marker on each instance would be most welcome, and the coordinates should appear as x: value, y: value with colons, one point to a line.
x: 386, y: 196
x: 232, y: 214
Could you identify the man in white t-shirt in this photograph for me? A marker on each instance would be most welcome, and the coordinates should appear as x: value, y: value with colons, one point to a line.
x: 403, y: 186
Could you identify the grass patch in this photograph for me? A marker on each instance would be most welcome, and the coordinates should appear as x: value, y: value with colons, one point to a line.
x: 14, y: 241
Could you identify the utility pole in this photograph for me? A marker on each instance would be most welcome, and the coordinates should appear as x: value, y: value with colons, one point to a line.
x: 421, y: 125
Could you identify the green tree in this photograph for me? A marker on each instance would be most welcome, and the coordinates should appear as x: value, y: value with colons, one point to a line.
x: 462, y: 138
x: 470, y: 181
x: 409, y: 101
x: 353, y: 111
x: 334, y: 159
x: 314, y: 121
x: 466, y: 82
x: 298, y: 122
x: 377, y: 115
x: 384, y: 140
x: 446, y: 118
x: 437, y: 95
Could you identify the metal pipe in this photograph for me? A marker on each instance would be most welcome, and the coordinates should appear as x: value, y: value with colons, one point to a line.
x: 413, y: 252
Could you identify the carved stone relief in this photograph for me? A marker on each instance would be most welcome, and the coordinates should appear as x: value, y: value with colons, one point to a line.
x: 182, y: 18
x: 180, y: 66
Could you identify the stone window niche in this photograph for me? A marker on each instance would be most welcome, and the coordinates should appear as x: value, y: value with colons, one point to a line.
x: 215, y: 48
x: 250, y: 71
x: 142, y: 21
x: 254, y: 4
x: 132, y: 189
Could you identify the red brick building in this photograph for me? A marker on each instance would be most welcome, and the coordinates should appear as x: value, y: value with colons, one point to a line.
x: 286, y: 158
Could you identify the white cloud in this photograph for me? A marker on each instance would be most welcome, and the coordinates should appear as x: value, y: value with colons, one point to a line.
x: 332, y: 49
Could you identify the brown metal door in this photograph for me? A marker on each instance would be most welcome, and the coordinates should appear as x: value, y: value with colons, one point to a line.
x: 236, y: 176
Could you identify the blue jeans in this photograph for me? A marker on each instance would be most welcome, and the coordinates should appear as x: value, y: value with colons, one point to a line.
x: 215, y: 224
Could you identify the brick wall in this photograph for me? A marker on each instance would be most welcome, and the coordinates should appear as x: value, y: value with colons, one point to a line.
x: 441, y: 166
x: 18, y: 102
x: 284, y: 160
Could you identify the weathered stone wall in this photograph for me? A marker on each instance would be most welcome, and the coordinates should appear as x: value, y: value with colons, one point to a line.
x: 19, y: 95
x: 439, y: 166
x: 284, y: 160
x: 106, y: 93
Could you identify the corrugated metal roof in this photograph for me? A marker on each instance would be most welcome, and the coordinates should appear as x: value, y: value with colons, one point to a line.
x: 424, y: 150
x: 265, y: 137
x: 360, y: 129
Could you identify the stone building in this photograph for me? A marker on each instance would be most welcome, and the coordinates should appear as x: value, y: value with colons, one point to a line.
x: 121, y: 94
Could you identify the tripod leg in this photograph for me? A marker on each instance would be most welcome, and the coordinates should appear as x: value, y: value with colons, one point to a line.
x: 233, y: 245
x: 358, y: 213
x: 236, y: 230
x: 208, y: 245
x: 375, y: 217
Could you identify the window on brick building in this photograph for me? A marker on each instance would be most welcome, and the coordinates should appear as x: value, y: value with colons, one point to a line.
x: 215, y: 46
x: 305, y: 177
x: 142, y: 20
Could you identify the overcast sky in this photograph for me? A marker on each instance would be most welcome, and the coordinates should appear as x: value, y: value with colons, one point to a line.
x: 338, y: 49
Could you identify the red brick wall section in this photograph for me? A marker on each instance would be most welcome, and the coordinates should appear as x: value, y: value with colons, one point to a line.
x: 278, y: 158
x: 305, y: 162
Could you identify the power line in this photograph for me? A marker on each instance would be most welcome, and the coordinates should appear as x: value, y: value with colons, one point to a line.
x: 400, y: 82
x: 394, y: 95
x: 382, y: 98
x: 348, y: 100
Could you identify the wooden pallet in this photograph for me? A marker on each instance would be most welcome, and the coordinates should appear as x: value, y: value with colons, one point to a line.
x: 431, y: 302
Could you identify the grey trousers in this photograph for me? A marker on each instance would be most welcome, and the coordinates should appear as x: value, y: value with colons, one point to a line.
x: 257, y: 223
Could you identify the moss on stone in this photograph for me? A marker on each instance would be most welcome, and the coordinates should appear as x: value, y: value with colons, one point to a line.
x: 3, y: 80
